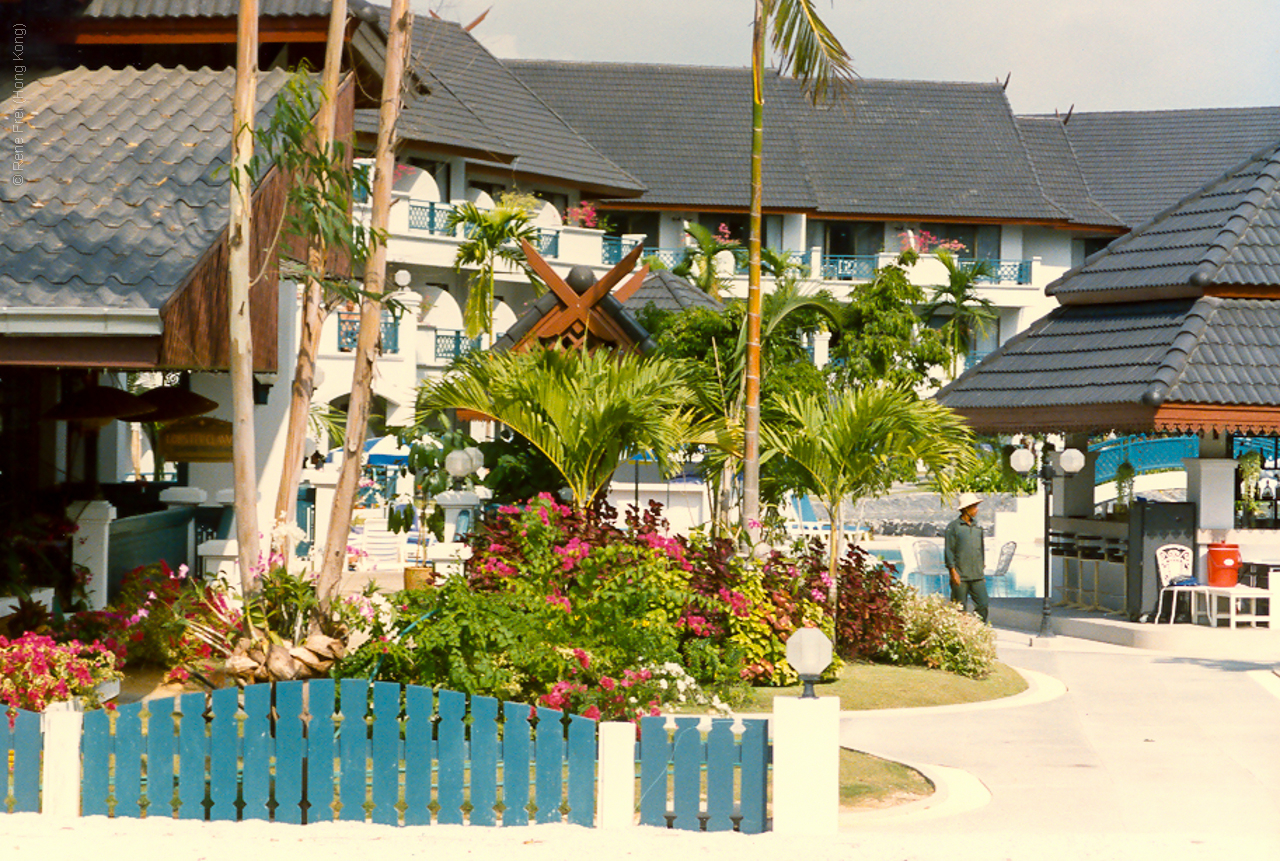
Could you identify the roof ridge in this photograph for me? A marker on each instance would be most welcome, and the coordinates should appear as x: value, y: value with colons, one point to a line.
x: 1035, y: 168
x: 1180, y: 348
x: 1234, y: 228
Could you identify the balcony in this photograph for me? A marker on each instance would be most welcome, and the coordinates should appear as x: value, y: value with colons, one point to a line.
x: 1005, y: 272
x: 452, y: 344
x: 614, y: 248
x: 430, y: 217
x: 861, y: 267
x: 349, y: 332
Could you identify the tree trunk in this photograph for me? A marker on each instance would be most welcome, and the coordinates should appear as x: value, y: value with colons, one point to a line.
x: 241, y: 332
x: 312, y: 315
x: 751, y: 412
x: 335, y: 547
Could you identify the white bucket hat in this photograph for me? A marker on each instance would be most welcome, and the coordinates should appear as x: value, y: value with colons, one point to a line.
x: 967, y: 499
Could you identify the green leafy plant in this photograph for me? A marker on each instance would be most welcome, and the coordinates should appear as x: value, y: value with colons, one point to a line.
x: 937, y: 633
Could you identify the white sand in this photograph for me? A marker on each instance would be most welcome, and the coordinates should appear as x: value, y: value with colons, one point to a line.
x: 30, y: 836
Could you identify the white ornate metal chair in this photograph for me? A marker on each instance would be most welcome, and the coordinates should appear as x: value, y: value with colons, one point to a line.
x: 999, y: 576
x: 1173, y: 564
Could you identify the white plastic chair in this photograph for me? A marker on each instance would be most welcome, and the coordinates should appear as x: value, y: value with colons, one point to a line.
x: 930, y: 564
x: 1173, y: 563
x: 999, y: 576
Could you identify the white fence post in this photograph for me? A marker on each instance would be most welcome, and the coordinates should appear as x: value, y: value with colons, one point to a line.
x: 60, y: 776
x: 616, y: 783
x: 806, y: 765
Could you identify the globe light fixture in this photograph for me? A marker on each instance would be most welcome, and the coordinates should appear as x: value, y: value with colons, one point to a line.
x: 809, y: 653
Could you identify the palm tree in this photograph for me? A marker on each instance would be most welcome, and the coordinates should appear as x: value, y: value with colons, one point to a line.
x: 968, y: 314
x: 807, y: 49
x: 699, y: 261
x: 720, y: 399
x: 583, y: 410
x: 854, y: 443
x: 492, y: 235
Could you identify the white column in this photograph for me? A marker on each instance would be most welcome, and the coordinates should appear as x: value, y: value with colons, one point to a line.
x: 60, y: 771
x: 616, y: 781
x: 1211, y: 485
x: 806, y: 765
x: 89, y: 548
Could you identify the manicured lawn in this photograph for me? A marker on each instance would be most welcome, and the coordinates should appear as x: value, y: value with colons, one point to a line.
x: 868, y: 781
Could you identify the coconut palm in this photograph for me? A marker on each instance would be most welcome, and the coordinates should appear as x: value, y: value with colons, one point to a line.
x: 699, y: 264
x: 491, y: 235
x: 806, y: 48
x: 854, y: 443
x: 968, y: 315
x: 583, y: 410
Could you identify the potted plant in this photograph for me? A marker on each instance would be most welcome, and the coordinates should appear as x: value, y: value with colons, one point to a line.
x: 1250, y: 472
x: 1125, y: 474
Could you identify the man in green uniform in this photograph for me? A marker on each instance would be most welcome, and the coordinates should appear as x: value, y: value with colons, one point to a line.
x: 965, y: 557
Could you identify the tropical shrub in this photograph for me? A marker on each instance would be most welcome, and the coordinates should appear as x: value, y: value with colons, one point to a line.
x: 150, y: 622
x: 937, y: 633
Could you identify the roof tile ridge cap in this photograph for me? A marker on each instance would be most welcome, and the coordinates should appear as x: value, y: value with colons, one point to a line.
x: 1031, y: 162
x: 1062, y: 212
x: 1180, y: 348
x: 1084, y: 180
x: 428, y: 73
x: 1240, y: 220
x: 563, y: 122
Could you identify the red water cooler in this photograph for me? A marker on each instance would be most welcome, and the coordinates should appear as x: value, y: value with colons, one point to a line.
x: 1224, y: 564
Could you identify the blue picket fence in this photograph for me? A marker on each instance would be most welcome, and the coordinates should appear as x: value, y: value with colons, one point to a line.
x: 1145, y: 454
x: 681, y: 767
x: 21, y: 746
x: 318, y: 751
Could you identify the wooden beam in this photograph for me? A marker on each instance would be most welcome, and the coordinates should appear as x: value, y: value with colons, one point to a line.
x: 139, y: 352
x: 190, y: 31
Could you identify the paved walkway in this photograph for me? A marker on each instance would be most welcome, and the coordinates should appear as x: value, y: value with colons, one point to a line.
x: 1111, y: 751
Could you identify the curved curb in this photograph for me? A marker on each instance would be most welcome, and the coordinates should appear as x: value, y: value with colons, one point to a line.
x: 955, y: 791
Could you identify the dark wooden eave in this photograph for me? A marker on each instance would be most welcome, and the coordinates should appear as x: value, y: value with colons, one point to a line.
x: 190, y: 31
x: 1175, y: 418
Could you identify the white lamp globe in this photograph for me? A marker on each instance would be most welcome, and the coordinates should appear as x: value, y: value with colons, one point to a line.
x: 1072, y: 460
x: 1022, y: 460
x: 457, y: 463
x: 477, y: 457
x: 809, y: 652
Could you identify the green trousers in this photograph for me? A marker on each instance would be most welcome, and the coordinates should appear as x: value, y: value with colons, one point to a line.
x: 975, y: 589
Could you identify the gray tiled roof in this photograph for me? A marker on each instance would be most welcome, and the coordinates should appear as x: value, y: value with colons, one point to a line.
x: 126, y: 189
x: 668, y: 292
x: 1138, y: 163
x: 477, y: 102
x: 684, y: 131
x: 1207, y: 351
x: 1059, y: 172
x: 1227, y: 233
x: 887, y: 148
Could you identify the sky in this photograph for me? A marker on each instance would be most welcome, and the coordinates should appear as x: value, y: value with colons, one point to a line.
x: 1098, y: 55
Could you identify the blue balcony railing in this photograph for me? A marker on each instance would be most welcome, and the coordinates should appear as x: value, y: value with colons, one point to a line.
x: 349, y: 332
x: 548, y: 242
x: 1146, y: 455
x: 669, y: 257
x: 614, y: 248
x: 861, y: 267
x: 430, y: 217
x: 1005, y: 272
x: 452, y: 343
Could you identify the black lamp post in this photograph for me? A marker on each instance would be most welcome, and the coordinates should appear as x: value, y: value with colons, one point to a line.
x: 1071, y: 461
